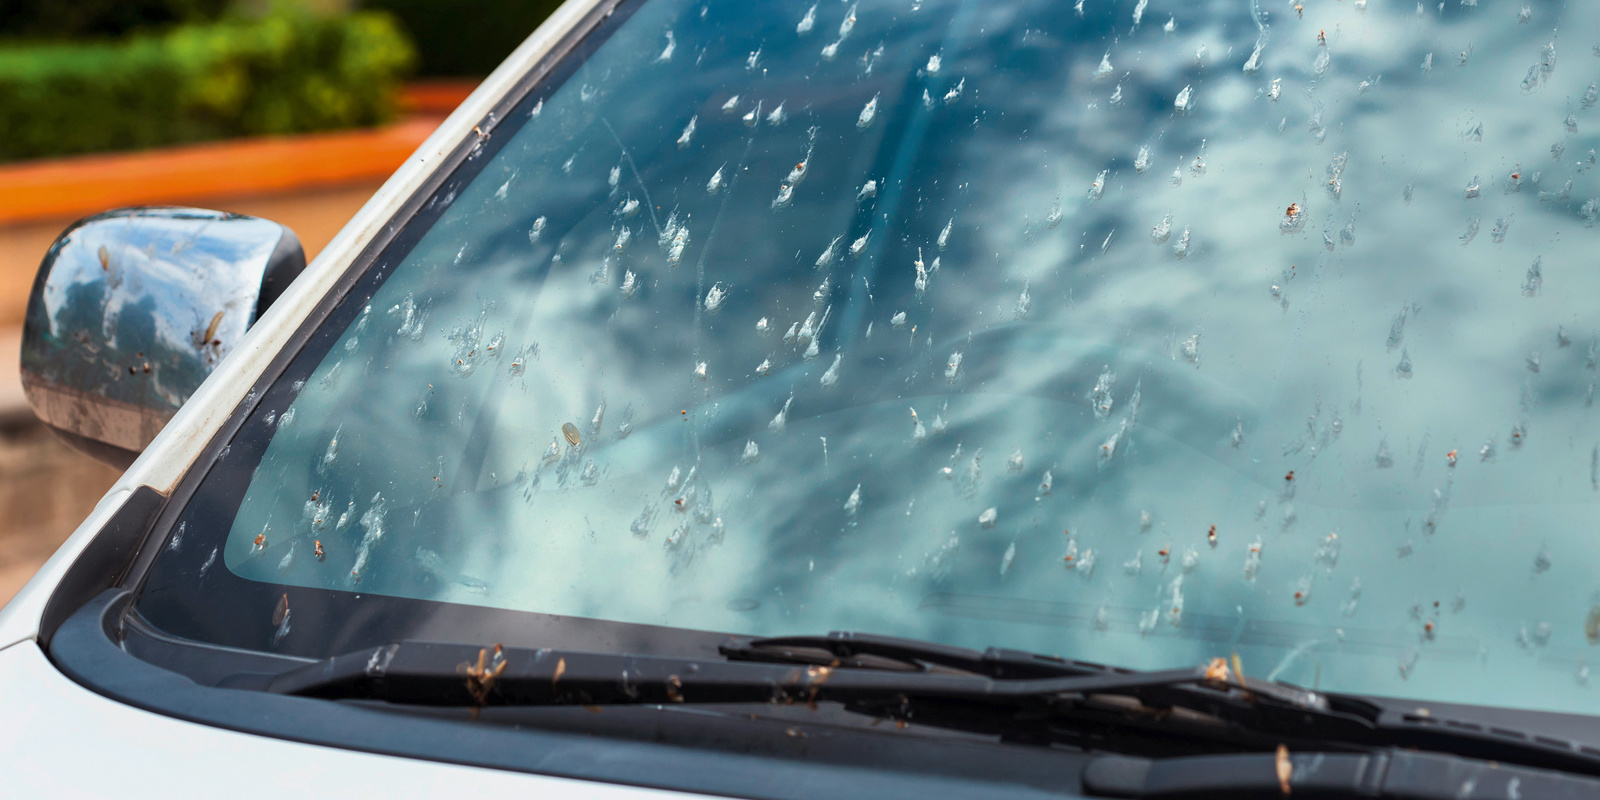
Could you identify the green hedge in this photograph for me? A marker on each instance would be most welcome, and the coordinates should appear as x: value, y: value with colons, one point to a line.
x: 72, y: 19
x: 464, y: 39
x: 284, y: 73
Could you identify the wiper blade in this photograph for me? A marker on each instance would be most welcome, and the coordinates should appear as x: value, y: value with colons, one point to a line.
x: 1007, y: 693
x: 426, y: 673
x: 863, y: 650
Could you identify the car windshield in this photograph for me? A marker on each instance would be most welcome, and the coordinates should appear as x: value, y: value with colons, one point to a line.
x: 1139, y: 333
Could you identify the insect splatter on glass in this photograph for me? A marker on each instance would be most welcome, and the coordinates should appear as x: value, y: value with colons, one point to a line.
x: 1223, y: 289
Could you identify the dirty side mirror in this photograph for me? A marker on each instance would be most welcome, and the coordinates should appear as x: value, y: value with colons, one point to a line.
x: 133, y: 308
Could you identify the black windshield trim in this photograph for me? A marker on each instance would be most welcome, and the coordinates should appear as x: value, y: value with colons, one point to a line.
x: 756, y: 761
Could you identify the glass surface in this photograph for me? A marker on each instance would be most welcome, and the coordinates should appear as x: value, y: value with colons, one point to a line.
x: 1135, y: 334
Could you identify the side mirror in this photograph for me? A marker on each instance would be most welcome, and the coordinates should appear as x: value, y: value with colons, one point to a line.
x: 133, y: 308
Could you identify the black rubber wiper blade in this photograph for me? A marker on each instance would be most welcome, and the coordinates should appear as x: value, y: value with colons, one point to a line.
x: 862, y: 650
x: 427, y: 673
x: 1083, y: 704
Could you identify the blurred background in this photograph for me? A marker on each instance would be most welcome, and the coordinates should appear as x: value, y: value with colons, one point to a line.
x: 293, y: 110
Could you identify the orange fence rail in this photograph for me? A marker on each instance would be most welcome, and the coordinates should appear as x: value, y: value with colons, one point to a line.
x: 84, y: 185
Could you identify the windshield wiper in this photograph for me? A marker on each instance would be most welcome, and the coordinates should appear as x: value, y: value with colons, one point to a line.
x: 1013, y: 694
x: 879, y: 669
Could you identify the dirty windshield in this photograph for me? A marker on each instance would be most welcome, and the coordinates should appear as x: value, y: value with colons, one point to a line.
x: 1140, y: 332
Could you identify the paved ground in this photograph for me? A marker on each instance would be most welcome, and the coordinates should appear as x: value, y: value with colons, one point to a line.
x: 46, y: 489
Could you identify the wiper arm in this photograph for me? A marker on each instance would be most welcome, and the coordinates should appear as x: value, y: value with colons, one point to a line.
x: 427, y: 673
x: 864, y: 650
x: 997, y: 692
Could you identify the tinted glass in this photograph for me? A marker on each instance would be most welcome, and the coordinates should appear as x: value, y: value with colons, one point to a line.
x: 1136, y: 334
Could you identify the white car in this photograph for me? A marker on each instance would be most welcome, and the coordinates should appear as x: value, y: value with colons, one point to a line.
x: 746, y: 401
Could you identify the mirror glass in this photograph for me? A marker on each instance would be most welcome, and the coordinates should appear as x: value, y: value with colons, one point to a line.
x: 132, y: 309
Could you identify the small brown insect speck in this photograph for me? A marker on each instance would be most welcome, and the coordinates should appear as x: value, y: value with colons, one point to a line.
x: 1516, y: 176
x: 105, y: 258
x: 1165, y: 551
x: 211, y: 330
x: 261, y: 540
x: 481, y: 678
x: 1211, y: 536
x: 561, y: 669
x: 1290, y: 476
x: 317, y: 544
x: 1427, y: 629
x: 1217, y: 670
x: 281, y: 611
x: 1299, y: 597
x: 570, y: 431
x: 1285, y: 769
x: 1322, y: 37
x: 1292, y: 211
x: 315, y: 495
x: 1450, y: 458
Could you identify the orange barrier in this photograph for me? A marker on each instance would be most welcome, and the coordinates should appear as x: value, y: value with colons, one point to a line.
x: 436, y: 96
x: 83, y: 185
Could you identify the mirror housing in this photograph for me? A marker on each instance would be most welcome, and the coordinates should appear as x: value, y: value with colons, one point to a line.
x: 133, y: 308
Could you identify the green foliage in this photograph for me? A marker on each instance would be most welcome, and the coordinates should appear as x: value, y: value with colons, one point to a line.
x: 465, y: 38
x: 283, y: 73
x: 64, y: 19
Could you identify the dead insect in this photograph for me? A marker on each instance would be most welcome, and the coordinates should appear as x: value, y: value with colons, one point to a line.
x: 1299, y: 597
x: 1284, y: 767
x: 1164, y: 552
x: 1211, y: 536
x: 317, y: 549
x: 211, y: 330
x: 281, y: 611
x: 481, y: 678
x: 261, y: 541
x: 315, y: 495
x: 1322, y: 37
x: 1217, y: 671
x: 570, y: 431
x: 1450, y: 458
x: 1427, y: 629
x: 1292, y: 211
x: 1290, y: 476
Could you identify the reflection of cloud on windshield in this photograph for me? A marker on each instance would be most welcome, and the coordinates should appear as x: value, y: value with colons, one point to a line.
x: 1255, y: 353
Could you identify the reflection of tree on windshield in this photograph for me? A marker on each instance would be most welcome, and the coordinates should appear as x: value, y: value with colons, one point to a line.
x: 1099, y: 364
